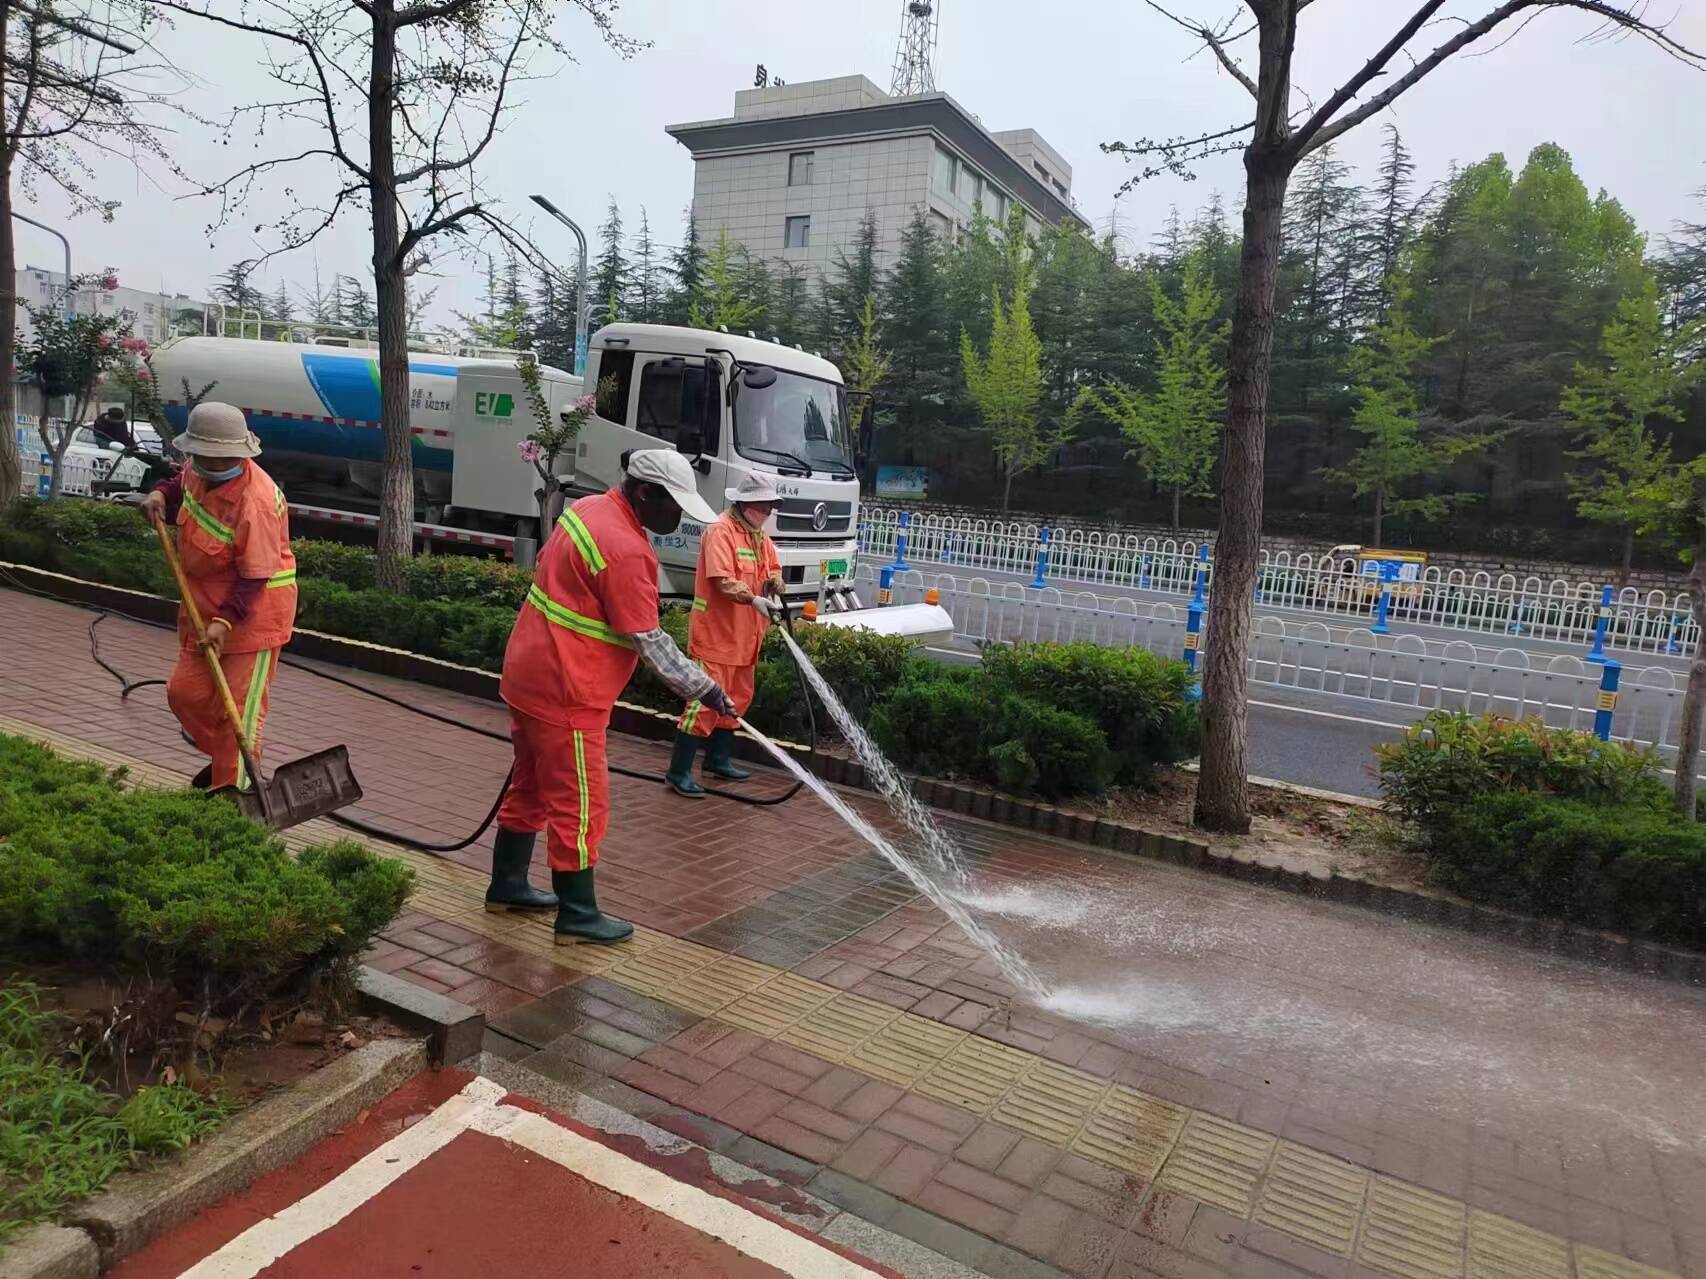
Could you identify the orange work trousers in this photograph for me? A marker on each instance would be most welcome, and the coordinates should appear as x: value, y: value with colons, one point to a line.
x: 737, y: 681
x: 191, y: 694
x: 560, y: 784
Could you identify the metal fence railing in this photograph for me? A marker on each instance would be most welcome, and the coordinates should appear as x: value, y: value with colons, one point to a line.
x: 1407, y: 675
x: 1555, y: 610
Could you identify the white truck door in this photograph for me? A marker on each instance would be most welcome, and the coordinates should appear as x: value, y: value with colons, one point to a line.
x: 492, y: 418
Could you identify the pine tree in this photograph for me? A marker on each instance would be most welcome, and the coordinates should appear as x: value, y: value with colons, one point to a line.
x: 355, y: 303
x: 1617, y: 405
x: 553, y: 311
x: 850, y: 280
x: 1322, y: 259
x: 687, y: 266
x: 790, y: 316
x: 1388, y: 412
x: 648, y: 301
x: 915, y: 319
x: 1682, y: 271
x: 1395, y: 214
x: 278, y: 307
x: 319, y: 304
x: 610, y: 274
x: 753, y: 286
x: 1175, y: 431
x: 237, y: 291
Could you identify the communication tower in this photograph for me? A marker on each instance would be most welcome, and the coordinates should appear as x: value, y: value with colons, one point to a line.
x: 915, y: 55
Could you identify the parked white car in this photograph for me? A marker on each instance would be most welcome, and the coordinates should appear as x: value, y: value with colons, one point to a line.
x: 90, y: 458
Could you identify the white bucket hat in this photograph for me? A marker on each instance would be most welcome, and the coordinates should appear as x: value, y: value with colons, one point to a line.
x: 754, y: 487
x: 670, y: 471
x: 218, y: 430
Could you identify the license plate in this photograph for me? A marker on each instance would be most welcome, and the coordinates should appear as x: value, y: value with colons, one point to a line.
x: 832, y: 568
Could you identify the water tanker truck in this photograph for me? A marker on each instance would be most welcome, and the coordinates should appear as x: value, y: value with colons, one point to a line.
x: 732, y: 404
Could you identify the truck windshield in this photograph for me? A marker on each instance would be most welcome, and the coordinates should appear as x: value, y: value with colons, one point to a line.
x: 795, y: 421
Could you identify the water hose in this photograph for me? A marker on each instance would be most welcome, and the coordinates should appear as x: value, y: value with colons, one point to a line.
x: 127, y: 686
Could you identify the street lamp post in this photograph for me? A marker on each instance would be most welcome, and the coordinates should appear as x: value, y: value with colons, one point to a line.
x: 580, y: 284
x: 70, y: 293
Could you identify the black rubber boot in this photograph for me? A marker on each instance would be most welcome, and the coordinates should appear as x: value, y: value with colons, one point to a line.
x: 512, y: 854
x: 203, y: 779
x: 680, y: 775
x: 720, y: 756
x: 578, y: 916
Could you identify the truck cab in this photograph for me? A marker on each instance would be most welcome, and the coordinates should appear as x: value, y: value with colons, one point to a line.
x: 732, y: 404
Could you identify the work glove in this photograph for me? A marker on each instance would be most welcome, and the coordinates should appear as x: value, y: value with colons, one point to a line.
x: 720, y: 702
x: 767, y: 609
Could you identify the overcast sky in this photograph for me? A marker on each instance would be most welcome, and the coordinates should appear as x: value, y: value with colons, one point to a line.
x: 1081, y: 72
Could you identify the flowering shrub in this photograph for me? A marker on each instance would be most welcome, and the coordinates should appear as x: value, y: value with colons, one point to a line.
x: 549, y: 440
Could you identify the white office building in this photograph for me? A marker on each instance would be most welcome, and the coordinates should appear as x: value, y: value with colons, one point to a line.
x: 153, y: 312
x: 792, y: 172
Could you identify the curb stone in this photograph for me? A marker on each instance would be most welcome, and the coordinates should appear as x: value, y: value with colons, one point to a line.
x: 50, y: 1252
x: 138, y: 1206
x: 1587, y: 944
x: 454, y: 1030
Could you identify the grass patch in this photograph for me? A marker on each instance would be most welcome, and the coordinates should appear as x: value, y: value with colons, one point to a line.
x: 62, y: 1137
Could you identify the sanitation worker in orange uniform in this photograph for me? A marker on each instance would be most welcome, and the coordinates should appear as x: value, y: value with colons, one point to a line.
x: 736, y: 593
x: 234, y: 541
x: 590, y: 617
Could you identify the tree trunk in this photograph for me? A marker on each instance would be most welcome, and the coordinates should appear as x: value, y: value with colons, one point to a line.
x: 1688, y: 746
x: 1379, y: 514
x: 397, y: 485
x: 1223, y: 802
x: 1628, y: 556
x: 1175, y: 509
x: 1007, y: 492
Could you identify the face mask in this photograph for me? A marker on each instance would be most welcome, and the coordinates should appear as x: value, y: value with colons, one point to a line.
x: 759, y: 517
x: 216, y: 477
x: 658, y: 512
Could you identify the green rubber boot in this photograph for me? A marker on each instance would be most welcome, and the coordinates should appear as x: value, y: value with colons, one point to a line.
x: 512, y: 854
x: 578, y: 916
x: 680, y: 775
x: 720, y: 756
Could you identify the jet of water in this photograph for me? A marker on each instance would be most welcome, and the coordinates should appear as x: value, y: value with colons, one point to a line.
x: 940, y: 874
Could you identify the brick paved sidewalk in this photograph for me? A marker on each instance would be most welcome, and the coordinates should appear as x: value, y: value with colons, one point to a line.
x: 1230, y: 1079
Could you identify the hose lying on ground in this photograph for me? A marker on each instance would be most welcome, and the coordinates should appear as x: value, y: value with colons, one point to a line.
x: 128, y: 686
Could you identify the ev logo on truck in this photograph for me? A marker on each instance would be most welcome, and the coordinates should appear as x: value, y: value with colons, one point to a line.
x: 493, y: 404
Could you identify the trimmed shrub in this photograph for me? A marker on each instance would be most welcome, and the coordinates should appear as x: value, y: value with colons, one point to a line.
x: 1450, y: 758
x: 1627, y: 866
x: 1048, y: 750
x: 936, y: 721
x: 340, y: 562
x: 178, y: 880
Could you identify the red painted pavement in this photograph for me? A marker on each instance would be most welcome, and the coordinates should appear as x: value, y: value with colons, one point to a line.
x: 476, y: 1206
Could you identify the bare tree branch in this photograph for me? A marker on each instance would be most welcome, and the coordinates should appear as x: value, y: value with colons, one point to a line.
x: 1214, y: 42
x: 1373, y: 67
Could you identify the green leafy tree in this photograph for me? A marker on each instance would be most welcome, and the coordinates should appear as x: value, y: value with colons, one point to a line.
x: 865, y: 364
x: 1617, y: 404
x: 1175, y: 431
x: 1006, y: 385
x: 1388, y: 413
x: 719, y: 302
x: 68, y: 356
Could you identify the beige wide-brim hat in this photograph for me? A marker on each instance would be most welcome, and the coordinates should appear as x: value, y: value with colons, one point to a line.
x: 218, y: 430
x: 755, y: 487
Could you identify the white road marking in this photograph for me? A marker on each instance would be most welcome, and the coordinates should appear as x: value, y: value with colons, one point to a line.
x: 758, y: 1237
x: 477, y: 1108
x: 1348, y: 719
x: 266, y: 1241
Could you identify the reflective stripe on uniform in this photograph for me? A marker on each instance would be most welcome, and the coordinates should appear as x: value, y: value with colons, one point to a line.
x: 700, y: 604
x: 252, y: 708
x: 202, y: 516
x: 286, y: 577
x: 746, y: 553
x: 278, y: 500
x: 584, y: 808
x: 581, y: 536
x: 567, y: 618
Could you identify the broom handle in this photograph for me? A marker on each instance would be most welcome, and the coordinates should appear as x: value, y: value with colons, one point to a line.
x: 244, y: 746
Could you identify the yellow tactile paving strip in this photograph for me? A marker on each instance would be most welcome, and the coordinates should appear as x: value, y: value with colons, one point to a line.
x: 1313, y: 1197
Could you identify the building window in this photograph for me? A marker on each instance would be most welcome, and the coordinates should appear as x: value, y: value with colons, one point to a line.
x: 1041, y: 172
x: 971, y: 186
x: 797, y: 233
x: 800, y: 168
x: 943, y: 180
x: 942, y: 227
x: 1060, y: 187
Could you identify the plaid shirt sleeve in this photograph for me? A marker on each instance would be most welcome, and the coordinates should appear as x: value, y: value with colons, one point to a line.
x: 658, y: 651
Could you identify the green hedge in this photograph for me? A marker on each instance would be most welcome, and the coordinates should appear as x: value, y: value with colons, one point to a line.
x: 1054, y: 719
x: 1550, y: 821
x: 175, y: 880
x: 1626, y: 866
